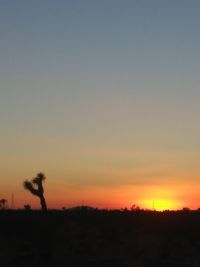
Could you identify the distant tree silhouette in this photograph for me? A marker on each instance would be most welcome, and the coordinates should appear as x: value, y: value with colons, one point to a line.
x: 134, y: 207
x: 27, y: 207
x: 3, y: 203
x: 36, y: 188
x: 186, y: 209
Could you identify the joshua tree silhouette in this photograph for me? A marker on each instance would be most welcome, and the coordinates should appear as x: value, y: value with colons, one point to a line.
x: 36, y: 188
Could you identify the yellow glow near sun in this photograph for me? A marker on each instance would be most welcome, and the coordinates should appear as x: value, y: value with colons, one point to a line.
x: 160, y: 204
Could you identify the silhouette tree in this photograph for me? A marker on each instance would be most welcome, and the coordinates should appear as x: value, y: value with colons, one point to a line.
x: 3, y: 203
x: 27, y: 207
x: 134, y: 207
x: 36, y: 188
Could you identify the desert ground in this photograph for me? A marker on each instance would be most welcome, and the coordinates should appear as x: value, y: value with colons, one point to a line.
x: 84, y: 237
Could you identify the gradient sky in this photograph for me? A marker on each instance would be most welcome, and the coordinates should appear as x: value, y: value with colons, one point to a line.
x: 103, y: 97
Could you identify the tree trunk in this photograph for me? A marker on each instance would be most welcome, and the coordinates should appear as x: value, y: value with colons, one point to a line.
x: 43, y: 203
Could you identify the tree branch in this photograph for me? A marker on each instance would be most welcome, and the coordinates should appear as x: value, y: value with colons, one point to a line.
x: 28, y: 186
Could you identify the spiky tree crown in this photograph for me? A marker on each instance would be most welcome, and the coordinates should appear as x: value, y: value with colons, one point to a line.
x: 35, y: 181
x: 39, y: 178
x: 29, y: 186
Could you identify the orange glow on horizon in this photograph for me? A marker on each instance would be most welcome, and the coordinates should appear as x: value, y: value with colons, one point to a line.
x: 58, y: 194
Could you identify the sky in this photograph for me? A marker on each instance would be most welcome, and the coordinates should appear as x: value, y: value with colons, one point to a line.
x: 103, y: 97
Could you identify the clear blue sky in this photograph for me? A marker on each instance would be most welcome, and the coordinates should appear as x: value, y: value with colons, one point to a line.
x: 99, y: 93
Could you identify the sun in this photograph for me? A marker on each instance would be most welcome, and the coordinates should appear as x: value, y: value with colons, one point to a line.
x: 160, y: 204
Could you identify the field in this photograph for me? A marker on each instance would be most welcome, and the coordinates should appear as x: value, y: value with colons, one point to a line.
x: 99, y: 238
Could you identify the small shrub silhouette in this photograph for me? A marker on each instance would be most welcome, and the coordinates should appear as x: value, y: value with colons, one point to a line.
x: 3, y: 203
x: 36, y: 188
x: 27, y: 207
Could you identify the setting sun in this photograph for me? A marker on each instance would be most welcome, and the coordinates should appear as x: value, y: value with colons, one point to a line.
x: 160, y: 204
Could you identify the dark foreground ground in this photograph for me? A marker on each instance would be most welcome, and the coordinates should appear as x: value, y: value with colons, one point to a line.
x: 99, y: 238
